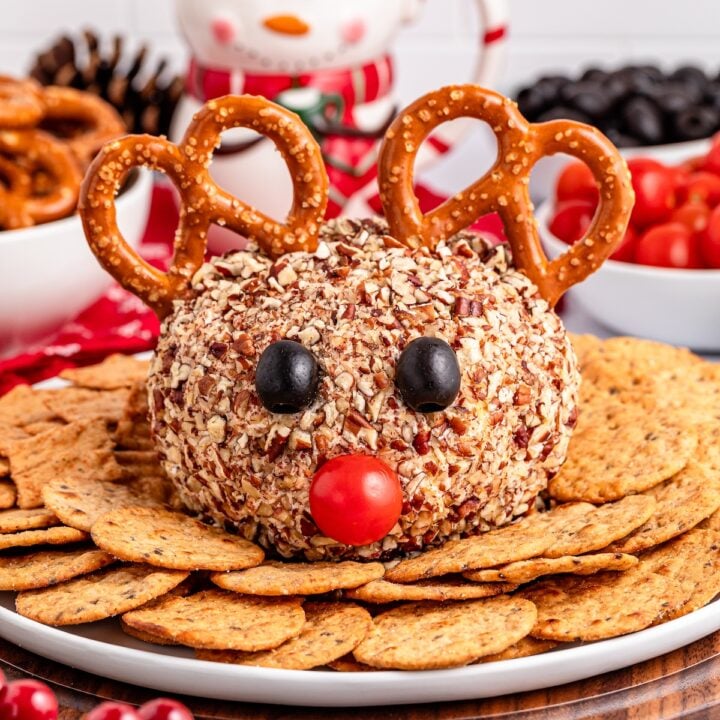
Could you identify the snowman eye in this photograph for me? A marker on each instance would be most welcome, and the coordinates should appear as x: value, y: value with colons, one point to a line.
x: 286, y: 378
x: 428, y: 375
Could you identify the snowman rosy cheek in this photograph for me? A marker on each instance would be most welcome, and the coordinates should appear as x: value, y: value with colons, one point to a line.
x: 353, y: 32
x: 223, y: 30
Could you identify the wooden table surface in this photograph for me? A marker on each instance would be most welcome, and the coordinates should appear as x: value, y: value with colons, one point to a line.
x: 683, y: 684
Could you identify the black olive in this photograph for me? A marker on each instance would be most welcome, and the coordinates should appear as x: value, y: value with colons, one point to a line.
x: 673, y: 97
x: 691, y: 76
x: 643, y: 120
x: 594, y: 74
x: 712, y: 95
x: 696, y: 123
x: 620, y: 139
x: 531, y: 102
x: 286, y: 378
x: 563, y: 112
x: 588, y: 98
x: 428, y: 375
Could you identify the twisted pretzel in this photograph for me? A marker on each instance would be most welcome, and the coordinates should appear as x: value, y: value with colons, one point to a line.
x: 202, y: 202
x: 504, y: 188
x: 23, y: 153
x: 83, y: 120
x: 21, y: 104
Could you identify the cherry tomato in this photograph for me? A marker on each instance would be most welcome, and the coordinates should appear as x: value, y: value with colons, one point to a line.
x: 668, y: 245
x: 3, y: 683
x: 28, y: 700
x: 711, y: 162
x: 164, y: 709
x: 571, y: 220
x: 700, y: 187
x: 625, y: 251
x: 355, y: 499
x: 654, y: 191
x: 576, y: 182
x: 710, y: 240
x: 694, y: 215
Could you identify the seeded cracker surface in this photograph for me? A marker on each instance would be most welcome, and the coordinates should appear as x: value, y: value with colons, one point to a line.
x: 355, y: 304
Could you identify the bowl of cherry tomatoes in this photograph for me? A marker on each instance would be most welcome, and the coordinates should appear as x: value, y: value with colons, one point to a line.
x: 663, y: 280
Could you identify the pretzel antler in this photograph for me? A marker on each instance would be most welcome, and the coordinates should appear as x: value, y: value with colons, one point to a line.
x: 505, y: 187
x: 202, y: 202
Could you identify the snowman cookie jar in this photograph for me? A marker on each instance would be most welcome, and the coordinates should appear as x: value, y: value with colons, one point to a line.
x: 329, y: 62
x: 359, y: 389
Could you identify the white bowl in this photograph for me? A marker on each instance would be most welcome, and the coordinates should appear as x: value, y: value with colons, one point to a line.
x: 48, y: 273
x: 680, y: 307
x: 545, y: 173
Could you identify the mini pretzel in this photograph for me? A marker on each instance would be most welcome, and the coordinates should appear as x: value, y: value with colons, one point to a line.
x: 504, y: 188
x: 99, y: 122
x: 35, y: 151
x: 202, y: 202
x: 21, y: 104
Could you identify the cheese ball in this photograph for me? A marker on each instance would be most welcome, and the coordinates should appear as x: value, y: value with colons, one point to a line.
x: 355, y: 304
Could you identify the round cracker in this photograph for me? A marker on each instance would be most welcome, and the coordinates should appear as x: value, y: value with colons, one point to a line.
x: 172, y: 540
x: 278, y: 578
x: 8, y: 494
x: 145, y: 637
x: 529, y: 537
x: 682, y: 503
x: 693, y: 561
x: 599, y: 606
x: 429, y: 636
x: 382, y: 591
x: 219, y: 620
x: 526, y: 647
x: 600, y: 526
x: 104, y: 594
x: 79, y: 503
x: 626, y: 449
x: 16, y: 520
x: 50, y: 536
x: 527, y: 570
x: 43, y: 569
x: 331, y: 630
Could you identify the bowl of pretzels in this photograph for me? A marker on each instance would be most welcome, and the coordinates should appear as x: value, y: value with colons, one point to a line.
x: 48, y: 138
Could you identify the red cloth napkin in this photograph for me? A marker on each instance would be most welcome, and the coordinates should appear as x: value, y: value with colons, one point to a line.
x: 119, y: 322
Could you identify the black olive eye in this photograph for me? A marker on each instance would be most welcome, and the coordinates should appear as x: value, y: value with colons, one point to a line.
x: 428, y: 375
x: 286, y: 378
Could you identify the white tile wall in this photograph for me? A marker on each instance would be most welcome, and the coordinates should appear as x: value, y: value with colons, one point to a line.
x: 546, y: 34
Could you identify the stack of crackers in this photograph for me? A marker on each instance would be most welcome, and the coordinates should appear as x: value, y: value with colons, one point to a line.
x: 628, y: 535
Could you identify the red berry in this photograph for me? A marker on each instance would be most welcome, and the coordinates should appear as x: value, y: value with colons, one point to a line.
x: 113, y: 711
x: 355, y: 499
x: 164, y: 709
x: 28, y: 700
x: 571, y: 220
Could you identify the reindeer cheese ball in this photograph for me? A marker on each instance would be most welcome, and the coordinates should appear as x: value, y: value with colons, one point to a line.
x: 360, y: 389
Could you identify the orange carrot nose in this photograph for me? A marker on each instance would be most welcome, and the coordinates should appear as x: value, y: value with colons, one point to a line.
x: 286, y: 25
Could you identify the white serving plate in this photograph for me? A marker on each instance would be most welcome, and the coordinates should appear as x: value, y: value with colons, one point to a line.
x: 104, y: 649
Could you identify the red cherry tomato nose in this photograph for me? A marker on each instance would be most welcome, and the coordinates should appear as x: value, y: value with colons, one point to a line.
x: 355, y: 499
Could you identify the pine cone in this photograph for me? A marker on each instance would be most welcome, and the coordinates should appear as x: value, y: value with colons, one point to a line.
x: 146, y: 100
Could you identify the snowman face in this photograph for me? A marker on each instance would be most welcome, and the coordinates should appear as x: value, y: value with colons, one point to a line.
x: 291, y: 36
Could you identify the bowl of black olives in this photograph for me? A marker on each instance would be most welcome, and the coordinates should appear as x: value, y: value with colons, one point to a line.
x: 665, y: 114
